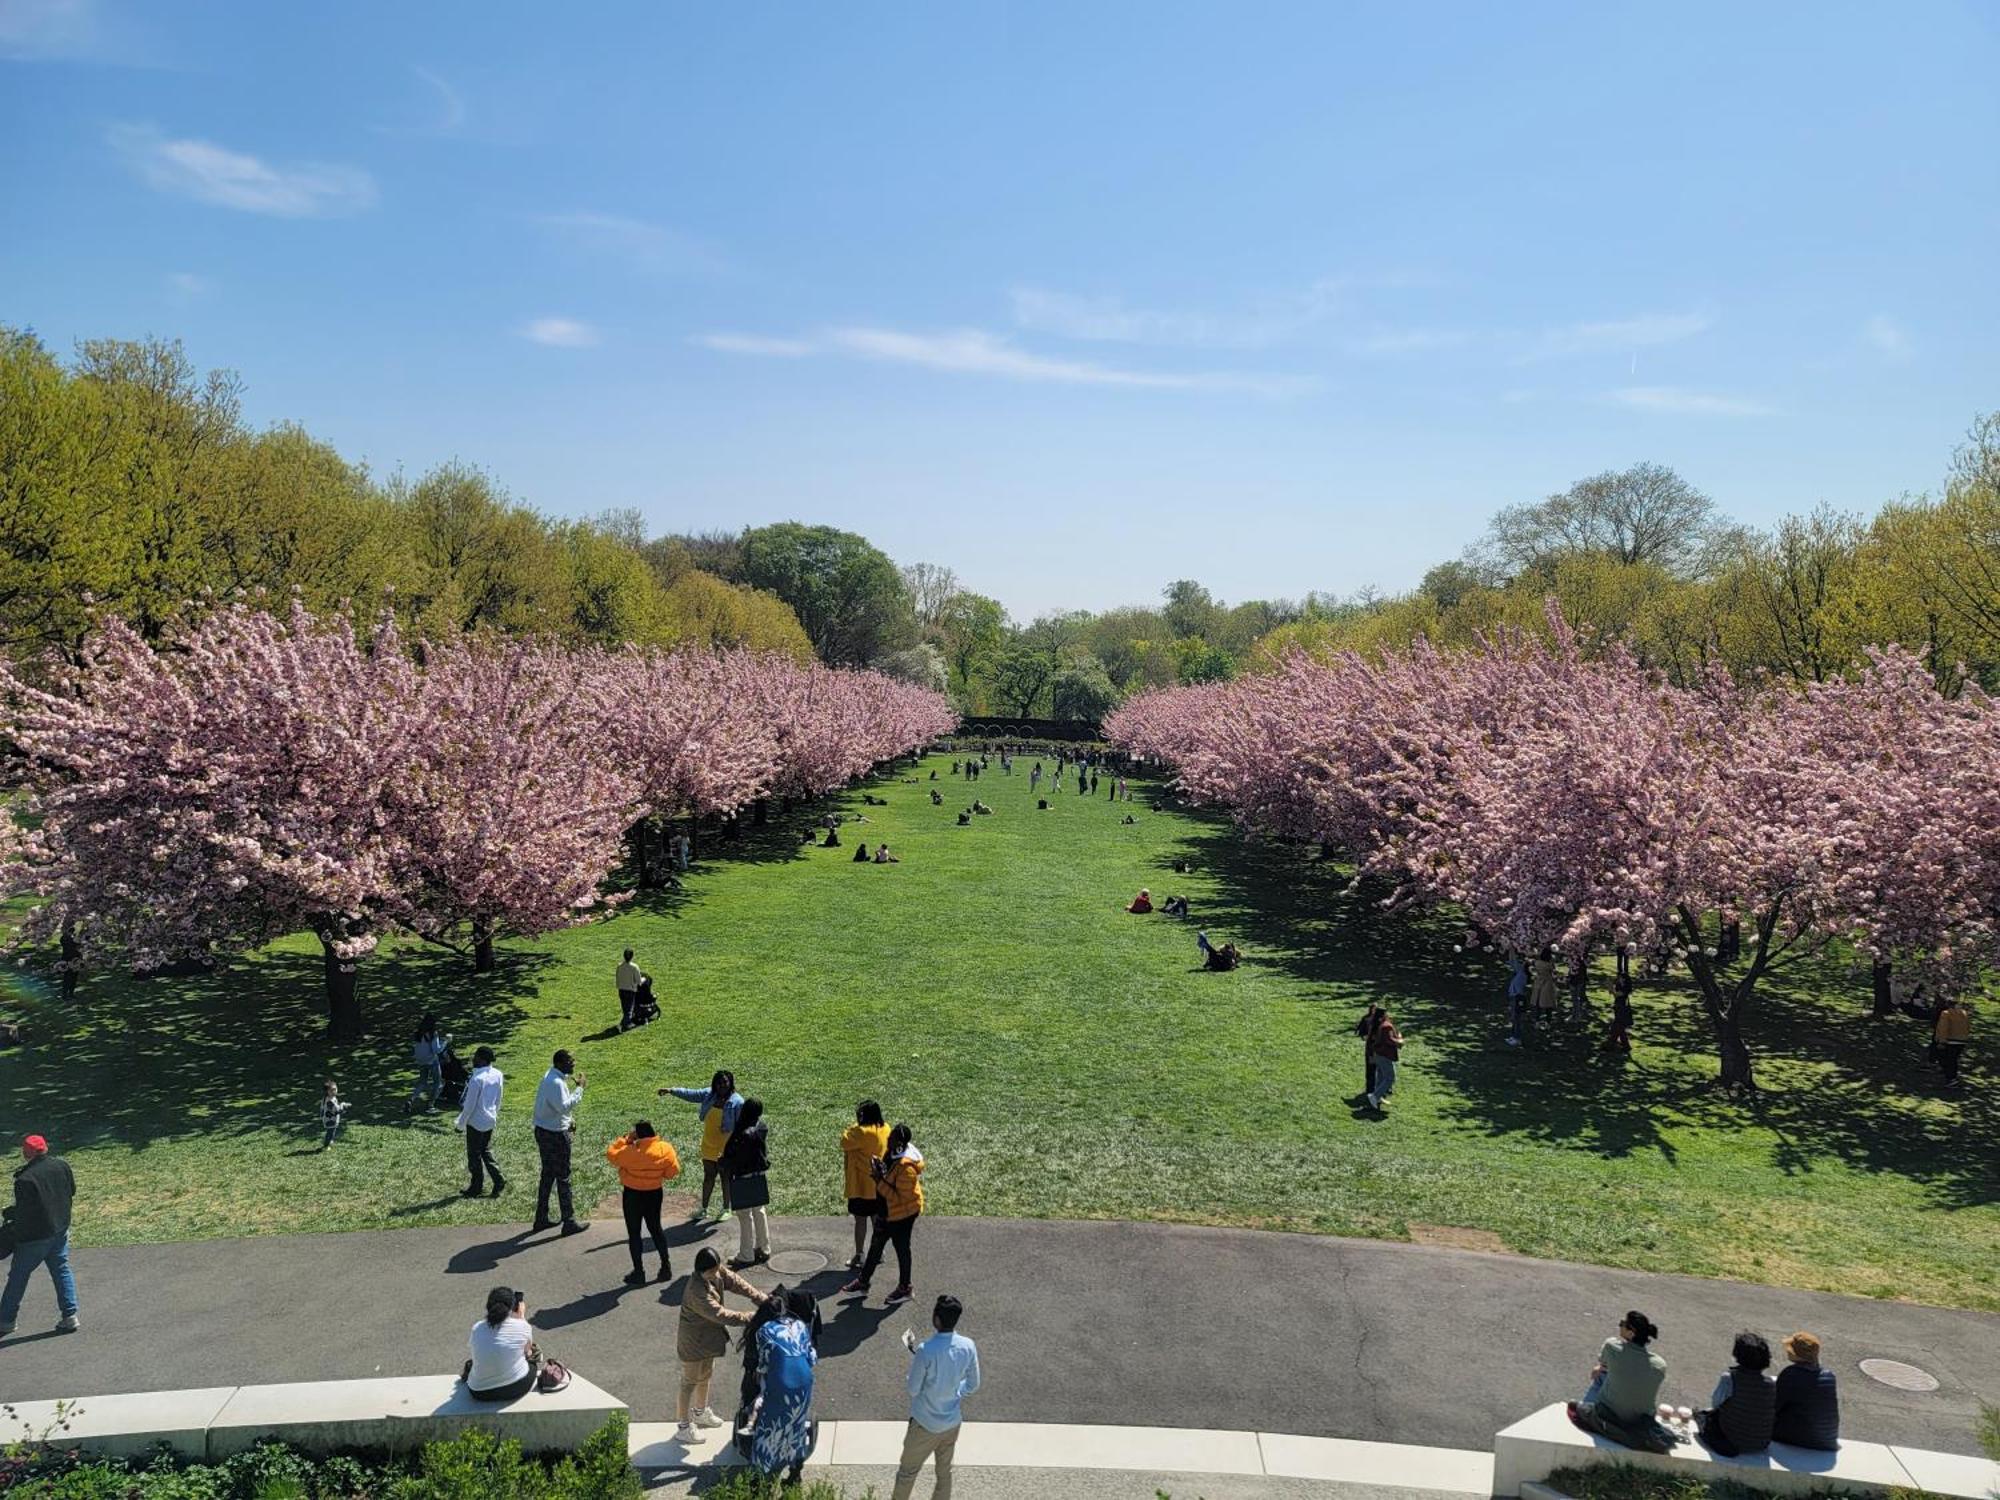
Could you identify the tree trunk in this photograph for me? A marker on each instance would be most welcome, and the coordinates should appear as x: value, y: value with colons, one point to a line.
x: 72, y: 960
x: 1729, y: 946
x: 642, y: 863
x: 1725, y: 1007
x: 343, y: 1005
x: 1733, y: 1055
x: 482, y: 946
x: 1883, y: 995
x: 762, y: 815
x: 694, y: 851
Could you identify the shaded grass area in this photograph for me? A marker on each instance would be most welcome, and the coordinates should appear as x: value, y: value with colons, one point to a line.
x: 1057, y: 1057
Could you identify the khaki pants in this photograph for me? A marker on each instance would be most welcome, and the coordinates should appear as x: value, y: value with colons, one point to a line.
x: 920, y: 1443
x: 695, y: 1375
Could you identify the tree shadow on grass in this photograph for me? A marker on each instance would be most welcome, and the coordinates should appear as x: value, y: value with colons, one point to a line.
x: 243, y: 1048
x: 1837, y: 1086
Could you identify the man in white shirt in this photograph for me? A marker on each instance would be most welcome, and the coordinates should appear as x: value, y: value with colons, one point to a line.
x: 629, y: 979
x: 477, y: 1117
x: 555, y: 1132
x: 944, y: 1370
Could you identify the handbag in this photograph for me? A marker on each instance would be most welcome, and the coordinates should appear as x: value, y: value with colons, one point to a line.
x: 552, y: 1377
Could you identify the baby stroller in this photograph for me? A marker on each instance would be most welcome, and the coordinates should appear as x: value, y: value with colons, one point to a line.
x: 644, y: 1007
x: 451, y: 1091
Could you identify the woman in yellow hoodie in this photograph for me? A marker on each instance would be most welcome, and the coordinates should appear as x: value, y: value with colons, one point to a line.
x: 897, y: 1173
x: 860, y: 1144
x: 645, y: 1161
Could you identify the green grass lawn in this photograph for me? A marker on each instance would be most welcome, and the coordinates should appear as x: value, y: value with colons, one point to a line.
x: 1056, y: 1056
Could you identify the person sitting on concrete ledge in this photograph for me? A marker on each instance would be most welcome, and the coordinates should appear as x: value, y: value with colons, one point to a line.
x: 1808, y: 1399
x: 1141, y: 903
x: 505, y: 1363
x: 1625, y: 1384
x: 1738, y: 1417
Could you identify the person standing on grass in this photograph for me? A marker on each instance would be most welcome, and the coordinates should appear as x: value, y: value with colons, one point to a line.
x: 332, y: 1111
x: 1034, y: 778
x: 1365, y: 1029
x: 555, y: 1138
x: 1619, y: 1038
x: 1950, y: 1034
x: 479, y: 1117
x: 628, y: 979
x: 1542, y: 998
x: 719, y: 1106
x: 645, y: 1164
x: 1578, y: 980
x: 1388, y: 1051
x: 44, y: 1189
x: 898, y: 1177
x: 746, y: 1163
x: 428, y: 1048
x: 860, y: 1144
x: 702, y: 1336
x: 944, y: 1370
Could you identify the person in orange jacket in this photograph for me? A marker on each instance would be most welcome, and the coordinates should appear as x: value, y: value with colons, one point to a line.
x: 863, y: 1141
x: 896, y: 1174
x: 645, y: 1164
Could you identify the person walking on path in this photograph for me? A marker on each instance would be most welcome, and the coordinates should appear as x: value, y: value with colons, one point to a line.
x: 1388, y: 1051
x: 746, y: 1161
x: 645, y: 1164
x: 702, y: 1336
x: 944, y: 1370
x: 44, y: 1189
x: 629, y: 979
x: 720, y: 1104
x: 555, y: 1136
x: 860, y: 1144
x: 478, y: 1117
x: 1952, y: 1031
x: 898, y: 1178
x: 1365, y: 1029
x: 332, y: 1111
x: 428, y: 1049
x: 786, y: 1356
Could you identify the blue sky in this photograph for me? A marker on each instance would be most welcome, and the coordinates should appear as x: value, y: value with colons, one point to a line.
x: 1074, y: 299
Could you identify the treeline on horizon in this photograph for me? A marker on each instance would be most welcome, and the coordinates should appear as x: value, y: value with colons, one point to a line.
x: 130, y: 485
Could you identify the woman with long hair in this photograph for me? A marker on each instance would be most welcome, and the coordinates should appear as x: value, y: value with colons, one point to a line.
x: 898, y: 1177
x: 746, y: 1160
x: 428, y: 1048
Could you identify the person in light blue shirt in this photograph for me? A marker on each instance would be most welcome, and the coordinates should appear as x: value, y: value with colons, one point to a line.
x: 944, y: 1370
x: 555, y: 1134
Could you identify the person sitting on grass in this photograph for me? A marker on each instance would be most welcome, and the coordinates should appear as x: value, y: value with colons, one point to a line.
x: 1141, y: 903
x: 884, y: 857
x: 1176, y: 906
x: 1128, y: 819
x: 1808, y: 1399
x: 832, y: 839
x: 937, y: 797
x: 1738, y: 1417
x: 965, y: 818
x: 981, y: 808
x: 861, y: 855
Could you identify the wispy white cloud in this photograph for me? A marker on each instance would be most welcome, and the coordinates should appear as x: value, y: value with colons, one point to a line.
x: 186, y: 286
x: 1681, y: 402
x: 1888, y: 338
x: 561, y: 333
x: 70, y: 31
x: 451, y: 103
x: 1619, y: 335
x: 644, y: 246
x: 210, y: 173
x: 973, y: 351
x: 1269, y: 321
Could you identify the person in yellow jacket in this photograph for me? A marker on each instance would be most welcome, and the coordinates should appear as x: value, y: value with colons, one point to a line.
x: 645, y: 1162
x: 898, y: 1173
x: 860, y: 1144
x: 1953, y: 1031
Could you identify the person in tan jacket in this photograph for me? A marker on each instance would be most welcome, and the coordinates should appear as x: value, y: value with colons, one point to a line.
x: 645, y: 1162
x: 1952, y: 1031
x: 703, y: 1336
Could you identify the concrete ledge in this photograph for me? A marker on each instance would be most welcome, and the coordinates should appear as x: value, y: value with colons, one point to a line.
x: 1539, y: 1444
x: 125, y: 1426
x: 397, y: 1414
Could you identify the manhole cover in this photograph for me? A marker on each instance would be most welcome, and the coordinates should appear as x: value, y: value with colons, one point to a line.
x: 811, y: 1263
x: 1893, y: 1372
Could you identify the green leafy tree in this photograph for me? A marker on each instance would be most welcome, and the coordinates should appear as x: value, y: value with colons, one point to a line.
x: 1021, y: 680
x: 848, y: 595
x: 1083, y: 691
x: 974, y: 628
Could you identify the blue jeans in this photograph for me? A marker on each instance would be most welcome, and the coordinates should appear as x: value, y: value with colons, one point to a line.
x: 430, y: 1078
x: 1595, y: 1390
x: 29, y: 1255
x: 1385, y: 1077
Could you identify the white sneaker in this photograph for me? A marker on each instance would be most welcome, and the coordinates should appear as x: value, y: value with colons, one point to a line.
x: 685, y: 1432
x: 706, y: 1417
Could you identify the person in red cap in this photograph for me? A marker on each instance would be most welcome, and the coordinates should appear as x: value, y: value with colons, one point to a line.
x: 38, y: 1224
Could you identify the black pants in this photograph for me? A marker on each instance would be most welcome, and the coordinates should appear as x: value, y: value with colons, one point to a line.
x: 628, y: 1009
x: 479, y: 1159
x: 1948, y: 1054
x: 642, y: 1206
x: 554, y: 1148
x: 711, y: 1174
x: 890, y: 1232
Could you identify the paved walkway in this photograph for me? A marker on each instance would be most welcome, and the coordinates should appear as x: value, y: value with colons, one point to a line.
x: 1135, y: 1324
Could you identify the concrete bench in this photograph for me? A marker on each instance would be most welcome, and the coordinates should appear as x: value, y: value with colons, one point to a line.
x: 391, y: 1415
x: 1539, y: 1444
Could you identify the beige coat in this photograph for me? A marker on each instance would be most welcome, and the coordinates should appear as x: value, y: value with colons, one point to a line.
x: 705, y: 1321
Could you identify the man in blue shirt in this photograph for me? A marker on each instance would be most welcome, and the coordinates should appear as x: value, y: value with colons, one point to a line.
x: 944, y: 1370
x: 555, y: 1132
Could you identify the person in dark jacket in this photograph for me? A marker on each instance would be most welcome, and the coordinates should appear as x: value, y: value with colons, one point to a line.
x: 1739, y: 1414
x: 38, y: 1223
x: 1808, y: 1400
x: 745, y: 1161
